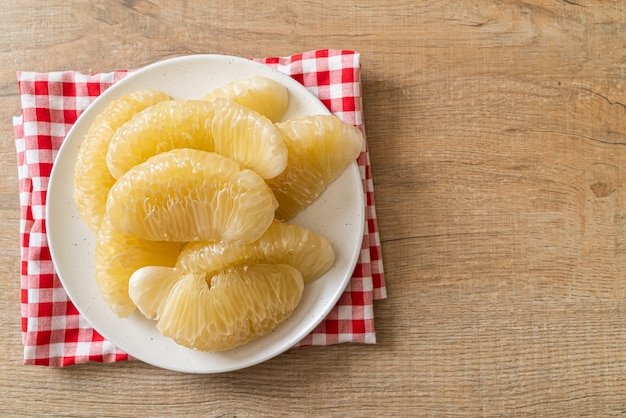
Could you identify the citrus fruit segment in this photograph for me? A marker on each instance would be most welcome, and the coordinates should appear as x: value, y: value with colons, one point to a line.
x: 261, y: 94
x: 92, y: 179
x: 149, y: 288
x: 174, y: 124
x: 118, y: 255
x: 320, y: 148
x: 231, y: 308
x: 222, y: 126
x: 190, y: 195
x: 282, y: 243
x: 248, y: 137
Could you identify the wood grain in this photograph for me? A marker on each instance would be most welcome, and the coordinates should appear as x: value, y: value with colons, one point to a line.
x: 497, y: 133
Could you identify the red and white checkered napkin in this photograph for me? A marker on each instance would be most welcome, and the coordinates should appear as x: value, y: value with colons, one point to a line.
x: 53, y: 331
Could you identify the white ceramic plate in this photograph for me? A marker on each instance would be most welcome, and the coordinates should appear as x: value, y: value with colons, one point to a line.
x: 338, y: 214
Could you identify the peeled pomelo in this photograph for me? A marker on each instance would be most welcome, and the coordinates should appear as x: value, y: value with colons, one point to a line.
x: 221, y: 311
x: 261, y: 94
x: 118, y: 255
x: 190, y: 195
x: 92, y: 179
x: 282, y: 243
x: 320, y: 148
x: 222, y: 126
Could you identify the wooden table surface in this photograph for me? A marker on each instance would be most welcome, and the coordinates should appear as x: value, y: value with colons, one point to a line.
x: 497, y: 133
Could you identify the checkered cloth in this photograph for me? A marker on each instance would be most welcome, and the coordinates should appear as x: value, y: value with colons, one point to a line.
x: 53, y: 332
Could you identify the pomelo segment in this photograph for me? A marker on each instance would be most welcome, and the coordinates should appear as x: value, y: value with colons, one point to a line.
x: 92, y: 179
x: 149, y: 288
x: 248, y: 137
x: 320, y: 149
x: 282, y: 243
x: 260, y: 94
x: 118, y: 255
x: 221, y: 126
x: 190, y: 195
x: 219, y: 312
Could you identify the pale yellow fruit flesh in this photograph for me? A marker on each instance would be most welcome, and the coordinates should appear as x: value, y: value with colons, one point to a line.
x: 320, y: 149
x: 260, y: 94
x: 190, y: 195
x: 149, y: 288
x: 221, y: 126
x: 92, y: 179
x: 230, y: 308
x: 282, y: 243
x: 118, y: 256
x: 211, y: 173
